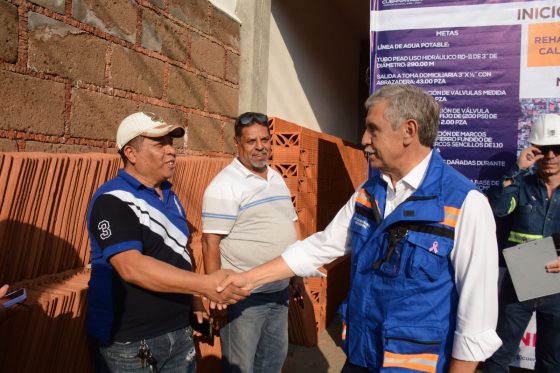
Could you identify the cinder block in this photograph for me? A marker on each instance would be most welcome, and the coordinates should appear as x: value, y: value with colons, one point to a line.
x: 223, y: 99
x: 96, y: 116
x: 232, y: 67
x: 161, y: 35
x: 30, y: 104
x: 7, y: 145
x: 133, y: 71
x: 158, y: 3
x: 229, y: 133
x: 35, y: 146
x: 185, y: 88
x: 8, y: 32
x: 192, y: 12
x: 224, y: 28
x: 54, y: 5
x: 57, y: 48
x: 204, y: 134
x: 117, y: 18
x: 207, y: 55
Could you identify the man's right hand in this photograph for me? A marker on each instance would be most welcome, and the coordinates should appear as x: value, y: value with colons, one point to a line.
x: 529, y: 157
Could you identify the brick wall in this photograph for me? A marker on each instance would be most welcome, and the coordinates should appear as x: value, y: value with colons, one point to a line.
x: 70, y: 70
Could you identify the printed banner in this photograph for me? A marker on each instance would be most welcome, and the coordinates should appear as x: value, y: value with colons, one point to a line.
x: 493, y: 65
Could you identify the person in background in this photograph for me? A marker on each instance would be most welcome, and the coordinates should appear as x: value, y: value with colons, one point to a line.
x: 533, y: 202
x: 247, y: 219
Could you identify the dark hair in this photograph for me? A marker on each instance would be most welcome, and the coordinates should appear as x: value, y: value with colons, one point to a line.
x: 409, y: 102
x: 136, y: 143
x: 248, y: 119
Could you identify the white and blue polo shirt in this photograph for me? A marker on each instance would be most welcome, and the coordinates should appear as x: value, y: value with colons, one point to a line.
x: 126, y: 215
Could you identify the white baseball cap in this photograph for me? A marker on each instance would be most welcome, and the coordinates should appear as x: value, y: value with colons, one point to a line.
x: 546, y: 130
x: 145, y: 124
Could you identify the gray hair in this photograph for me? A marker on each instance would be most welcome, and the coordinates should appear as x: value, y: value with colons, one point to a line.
x: 409, y: 102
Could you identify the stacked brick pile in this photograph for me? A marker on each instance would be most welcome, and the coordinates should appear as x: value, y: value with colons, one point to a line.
x: 44, y: 247
x: 322, y: 171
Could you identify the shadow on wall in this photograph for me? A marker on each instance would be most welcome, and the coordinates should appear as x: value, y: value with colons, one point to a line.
x: 47, y: 330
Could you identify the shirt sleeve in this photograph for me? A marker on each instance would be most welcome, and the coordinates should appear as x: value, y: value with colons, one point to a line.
x: 304, y: 257
x: 114, y: 226
x: 503, y: 200
x: 475, y: 260
x: 220, y: 207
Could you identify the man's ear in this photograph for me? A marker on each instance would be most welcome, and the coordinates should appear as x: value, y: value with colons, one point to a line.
x: 130, y: 154
x: 410, y: 131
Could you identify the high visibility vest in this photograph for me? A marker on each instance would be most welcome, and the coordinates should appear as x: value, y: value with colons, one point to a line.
x: 401, y: 308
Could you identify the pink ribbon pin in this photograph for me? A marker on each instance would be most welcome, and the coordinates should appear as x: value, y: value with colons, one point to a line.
x: 433, y: 249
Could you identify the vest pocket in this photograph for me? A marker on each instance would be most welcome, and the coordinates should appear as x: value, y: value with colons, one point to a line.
x: 412, y: 347
x: 429, y: 256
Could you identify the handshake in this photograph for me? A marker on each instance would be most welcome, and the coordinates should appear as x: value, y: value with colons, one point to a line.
x: 225, y: 287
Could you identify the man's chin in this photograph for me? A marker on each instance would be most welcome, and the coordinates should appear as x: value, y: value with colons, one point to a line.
x: 260, y: 166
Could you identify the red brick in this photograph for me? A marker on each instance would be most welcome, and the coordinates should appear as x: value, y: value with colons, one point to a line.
x: 207, y: 55
x: 185, y: 88
x: 161, y: 35
x: 204, y: 134
x: 31, y: 104
x: 8, y: 32
x: 229, y: 133
x: 171, y: 116
x: 192, y: 12
x: 57, y: 48
x: 96, y: 115
x: 232, y: 67
x: 133, y: 71
x: 58, y: 6
x: 35, y: 146
x: 7, y: 145
x: 117, y: 18
x: 224, y: 28
x: 223, y: 99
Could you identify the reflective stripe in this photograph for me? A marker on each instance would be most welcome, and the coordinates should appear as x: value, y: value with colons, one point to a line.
x: 363, y: 198
x: 512, y: 205
x: 343, y: 331
x: 451, y: 216
x: 523, y: 237
x: 419, y: 362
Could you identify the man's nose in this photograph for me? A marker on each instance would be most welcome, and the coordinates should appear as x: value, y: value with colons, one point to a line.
x: 170, y: 149
x: 366, y: 139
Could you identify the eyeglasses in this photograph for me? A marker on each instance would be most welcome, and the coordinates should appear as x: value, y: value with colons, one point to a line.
x: 547, y: 148
x: 248, y: 118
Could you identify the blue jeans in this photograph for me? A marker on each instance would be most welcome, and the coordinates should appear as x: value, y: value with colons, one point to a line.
x: 513, y: 319
x: 173, y: 351
x: 255, y: 339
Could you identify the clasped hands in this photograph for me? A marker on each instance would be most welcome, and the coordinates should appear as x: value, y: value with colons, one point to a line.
x: 225, y: 287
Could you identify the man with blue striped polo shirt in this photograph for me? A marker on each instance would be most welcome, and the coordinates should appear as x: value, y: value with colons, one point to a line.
x: 248, y: 218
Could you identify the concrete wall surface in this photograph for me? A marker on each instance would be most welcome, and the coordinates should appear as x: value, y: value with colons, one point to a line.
x: 71, y: 70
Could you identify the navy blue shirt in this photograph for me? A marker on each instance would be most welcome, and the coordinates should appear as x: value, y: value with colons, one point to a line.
x: 533, y: 214
x: 126, y: 215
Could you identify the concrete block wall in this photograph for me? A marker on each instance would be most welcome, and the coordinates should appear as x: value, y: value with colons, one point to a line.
x: 71, y: 70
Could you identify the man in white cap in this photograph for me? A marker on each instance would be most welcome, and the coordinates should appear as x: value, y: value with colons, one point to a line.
x: 142, y: 280
x: 533, y: 201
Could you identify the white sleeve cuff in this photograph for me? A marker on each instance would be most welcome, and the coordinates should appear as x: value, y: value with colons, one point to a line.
x: 478, y: 347
x: 299, y: 263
